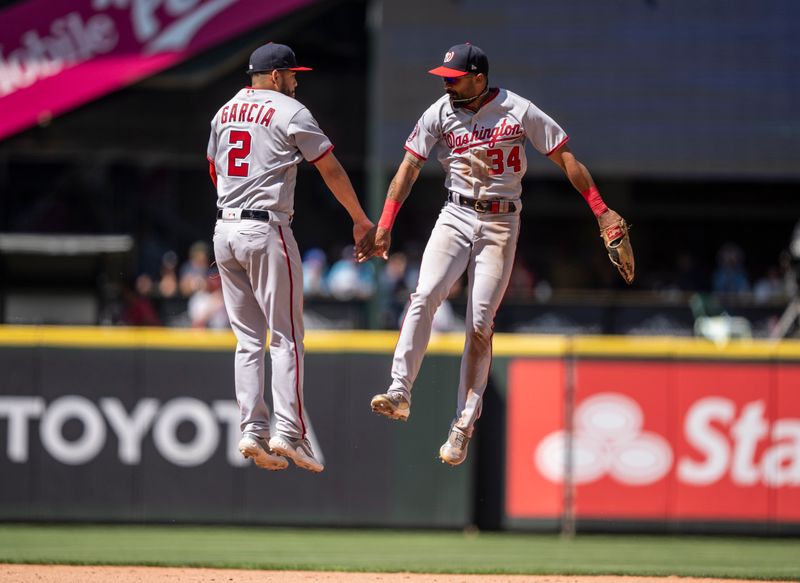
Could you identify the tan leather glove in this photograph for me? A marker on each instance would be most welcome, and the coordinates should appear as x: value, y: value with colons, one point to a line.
x: 616, y: 237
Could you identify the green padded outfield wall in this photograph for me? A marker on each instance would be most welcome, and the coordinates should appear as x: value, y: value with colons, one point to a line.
x: 115, y: 424
x: 141, y: 425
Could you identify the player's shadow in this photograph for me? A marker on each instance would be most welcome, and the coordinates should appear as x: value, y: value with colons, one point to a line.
x: 489, y: 466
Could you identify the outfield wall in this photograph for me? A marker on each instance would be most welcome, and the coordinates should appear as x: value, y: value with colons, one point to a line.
x: 676, y: 435
x: 115, y: 424
x: 142, y: 425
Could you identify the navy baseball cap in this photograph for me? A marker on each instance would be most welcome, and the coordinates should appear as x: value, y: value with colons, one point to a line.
x: 272, y: 56
x: 462, y: 60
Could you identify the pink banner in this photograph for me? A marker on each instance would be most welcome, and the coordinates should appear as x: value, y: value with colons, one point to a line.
x: 55, y: 56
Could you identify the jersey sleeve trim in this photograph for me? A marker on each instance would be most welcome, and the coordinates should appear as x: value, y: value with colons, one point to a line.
x: 321, y: 156
x: 415, y: 154
x: 561, y: 143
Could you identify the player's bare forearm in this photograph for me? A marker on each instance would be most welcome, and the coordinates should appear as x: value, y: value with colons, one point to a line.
x: 399, y: 189
x: 338, y: 182
x: 578, y: 175
x: 576, y: 172
x: 613, y: 228
x: 404, y: 179
x: 581, y: 180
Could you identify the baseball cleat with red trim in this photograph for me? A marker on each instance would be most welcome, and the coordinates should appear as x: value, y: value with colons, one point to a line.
x: 393, y: 405
x: 298, y: 450
x: 256, y: 448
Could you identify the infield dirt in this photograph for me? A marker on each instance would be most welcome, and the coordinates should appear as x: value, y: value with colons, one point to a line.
x: 98, y: 574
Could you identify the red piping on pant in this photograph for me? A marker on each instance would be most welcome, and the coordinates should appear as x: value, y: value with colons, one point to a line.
x: 294, y: 342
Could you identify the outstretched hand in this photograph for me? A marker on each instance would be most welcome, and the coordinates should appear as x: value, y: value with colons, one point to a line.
x: 374, y: 242
x: 383, y: 240
x: 365, y: 241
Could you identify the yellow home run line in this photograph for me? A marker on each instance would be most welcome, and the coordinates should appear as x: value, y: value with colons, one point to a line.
x: 383, y: 342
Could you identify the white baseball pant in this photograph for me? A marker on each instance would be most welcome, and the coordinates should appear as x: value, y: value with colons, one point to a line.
x: 262, y: 284
x: 484, y: 245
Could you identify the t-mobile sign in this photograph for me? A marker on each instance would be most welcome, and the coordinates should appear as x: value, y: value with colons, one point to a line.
x: 55, y: 56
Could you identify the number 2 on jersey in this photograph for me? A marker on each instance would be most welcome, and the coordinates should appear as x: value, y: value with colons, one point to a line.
x: 496, y: 155
x: 236, y: 155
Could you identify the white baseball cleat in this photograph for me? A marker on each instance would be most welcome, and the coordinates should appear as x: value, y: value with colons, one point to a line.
x: 256, y: 448
x: 298, y: 450
x: 454, y: 450
x: 393, y: 405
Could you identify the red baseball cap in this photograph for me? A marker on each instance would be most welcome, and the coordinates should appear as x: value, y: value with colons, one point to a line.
x: 461, y: 60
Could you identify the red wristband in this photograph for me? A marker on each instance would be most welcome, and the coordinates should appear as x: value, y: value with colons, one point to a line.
x: 592, y: 196
x: 390, y: 209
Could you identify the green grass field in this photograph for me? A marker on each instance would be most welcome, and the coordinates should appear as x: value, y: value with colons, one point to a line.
x: 371, y: 550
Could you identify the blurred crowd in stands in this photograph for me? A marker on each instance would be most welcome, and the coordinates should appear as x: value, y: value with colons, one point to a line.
x: 194, y: 285
x: 188, y: 293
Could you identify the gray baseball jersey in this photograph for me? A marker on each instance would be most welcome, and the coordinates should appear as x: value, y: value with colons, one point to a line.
x: 483, y: 154
x: 257, y: 140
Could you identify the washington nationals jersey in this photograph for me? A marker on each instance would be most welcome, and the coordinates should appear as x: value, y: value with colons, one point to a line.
x: 257, y: 140
x: 483, y: 152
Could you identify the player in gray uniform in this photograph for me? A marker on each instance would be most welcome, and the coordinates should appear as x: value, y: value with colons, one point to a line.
x: 482, y: 133
x: 257, y: 140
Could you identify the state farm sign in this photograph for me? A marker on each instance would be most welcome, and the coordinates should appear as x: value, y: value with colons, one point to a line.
x: 656, y: 440
x: 609, y: 441
x: 728, y: 440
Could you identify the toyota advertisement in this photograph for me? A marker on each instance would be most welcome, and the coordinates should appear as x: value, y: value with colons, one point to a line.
x: 113, y: 428
x: 654, y: 441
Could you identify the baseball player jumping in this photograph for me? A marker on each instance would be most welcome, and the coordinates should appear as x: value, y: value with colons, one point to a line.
x: 482, y: 132
x: 257, y: 140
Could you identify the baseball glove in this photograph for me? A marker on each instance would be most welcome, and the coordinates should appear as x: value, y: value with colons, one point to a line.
x: 618, y: 244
